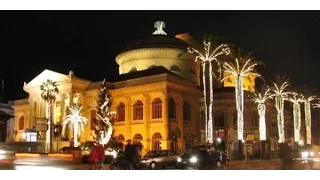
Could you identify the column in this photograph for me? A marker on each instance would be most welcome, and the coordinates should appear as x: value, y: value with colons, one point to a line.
x: 146, y: 116
x: 32, y: 112
x: 128, y: 117
x: 179, y: 114
x: 165, y: 142
x: 62, y: 109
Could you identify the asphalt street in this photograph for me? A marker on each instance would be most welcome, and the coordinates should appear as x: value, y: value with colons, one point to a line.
x: 236, y: 165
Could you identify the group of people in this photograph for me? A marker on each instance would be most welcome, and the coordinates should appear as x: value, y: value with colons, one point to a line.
x: 97, y: 157
x: 128, y: 158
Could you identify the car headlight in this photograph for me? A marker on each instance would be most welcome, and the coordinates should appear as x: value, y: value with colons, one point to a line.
x: 143, y: 161
x: 193, y: 159
x: 179, y: 159
x: 2, y: 152
x: 304, y: 154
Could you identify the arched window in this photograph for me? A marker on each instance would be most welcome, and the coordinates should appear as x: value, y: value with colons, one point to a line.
x: 172, y: 109
x: 255, y: 120
x: 137, y: 138
x: 121, y: 112
x: 175, y: 68
x: 133, y: 69
x: 156, y: 141
x: 138, y: 111
x: 235, y: 120
x: 120, y: 138
x: 156, y: 108
x: 152, y: 66
x: 186, y: 111
x: 21, y: 123
x: 219, y: 119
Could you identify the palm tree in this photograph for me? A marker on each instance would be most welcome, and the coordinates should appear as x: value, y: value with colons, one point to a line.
x: 279, y: 93
x: 308, y: 95
x: 75, y: 122
x: 240, y: 66
x: 49, y: 88
x: 260, y: 99
x: 209, y: 55
x: 296, y: 100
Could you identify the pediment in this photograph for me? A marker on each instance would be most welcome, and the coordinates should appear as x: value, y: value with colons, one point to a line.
x: 45, y: 75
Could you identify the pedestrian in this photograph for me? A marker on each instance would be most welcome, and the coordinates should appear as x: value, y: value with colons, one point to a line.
x: 129, y: 154
x: 100, y: 151
x: 94, y: 158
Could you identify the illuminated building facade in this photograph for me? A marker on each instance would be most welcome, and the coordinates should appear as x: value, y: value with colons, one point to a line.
x: 156, y: 98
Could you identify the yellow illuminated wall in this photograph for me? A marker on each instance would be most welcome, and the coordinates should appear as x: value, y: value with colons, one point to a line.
x: 72, y: 90
x: 248, y: 82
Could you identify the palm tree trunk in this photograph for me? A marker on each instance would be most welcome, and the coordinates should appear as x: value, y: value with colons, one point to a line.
x: 280, y: 118
x: 75, y: 135
x: 297, y: 121
x: 262, y: 121
x: 262, y: 129
x: 210, y: 123
x: 205, y: 99
x: 48, y: 133
x: 307, y: 110
x: 239, y: 105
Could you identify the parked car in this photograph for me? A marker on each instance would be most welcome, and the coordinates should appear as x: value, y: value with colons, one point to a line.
x: 161, y: 158
x: 202, y: 156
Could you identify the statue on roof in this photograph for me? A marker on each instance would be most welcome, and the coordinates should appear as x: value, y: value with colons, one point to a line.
x: 159, y: 25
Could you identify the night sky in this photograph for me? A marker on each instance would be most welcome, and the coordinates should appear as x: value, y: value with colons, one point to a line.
x: 87, y: 42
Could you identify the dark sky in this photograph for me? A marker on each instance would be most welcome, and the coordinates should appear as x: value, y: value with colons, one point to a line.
x: 87, y: 42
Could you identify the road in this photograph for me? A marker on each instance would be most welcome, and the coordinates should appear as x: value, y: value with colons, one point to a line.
x: 239, y: 165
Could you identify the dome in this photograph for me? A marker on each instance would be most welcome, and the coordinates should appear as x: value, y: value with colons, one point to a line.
x: 157, y: 41
x: 159, y: 50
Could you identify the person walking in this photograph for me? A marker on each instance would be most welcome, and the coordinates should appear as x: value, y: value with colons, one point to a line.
x: 101, y: 156
x: 94, y: 158
x: 129, y: 154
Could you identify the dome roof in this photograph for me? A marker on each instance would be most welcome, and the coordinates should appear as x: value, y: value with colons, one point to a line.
x: 157, y: 41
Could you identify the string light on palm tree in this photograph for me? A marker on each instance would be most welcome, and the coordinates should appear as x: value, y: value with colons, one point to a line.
x: 209, y: 55
x: 239, y: 68
x: 260, y: 99
x: 75, y: 121
x: 280, y: 94
x: 296, y: 100
x: 49, y: 89
x: 308, y: 97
